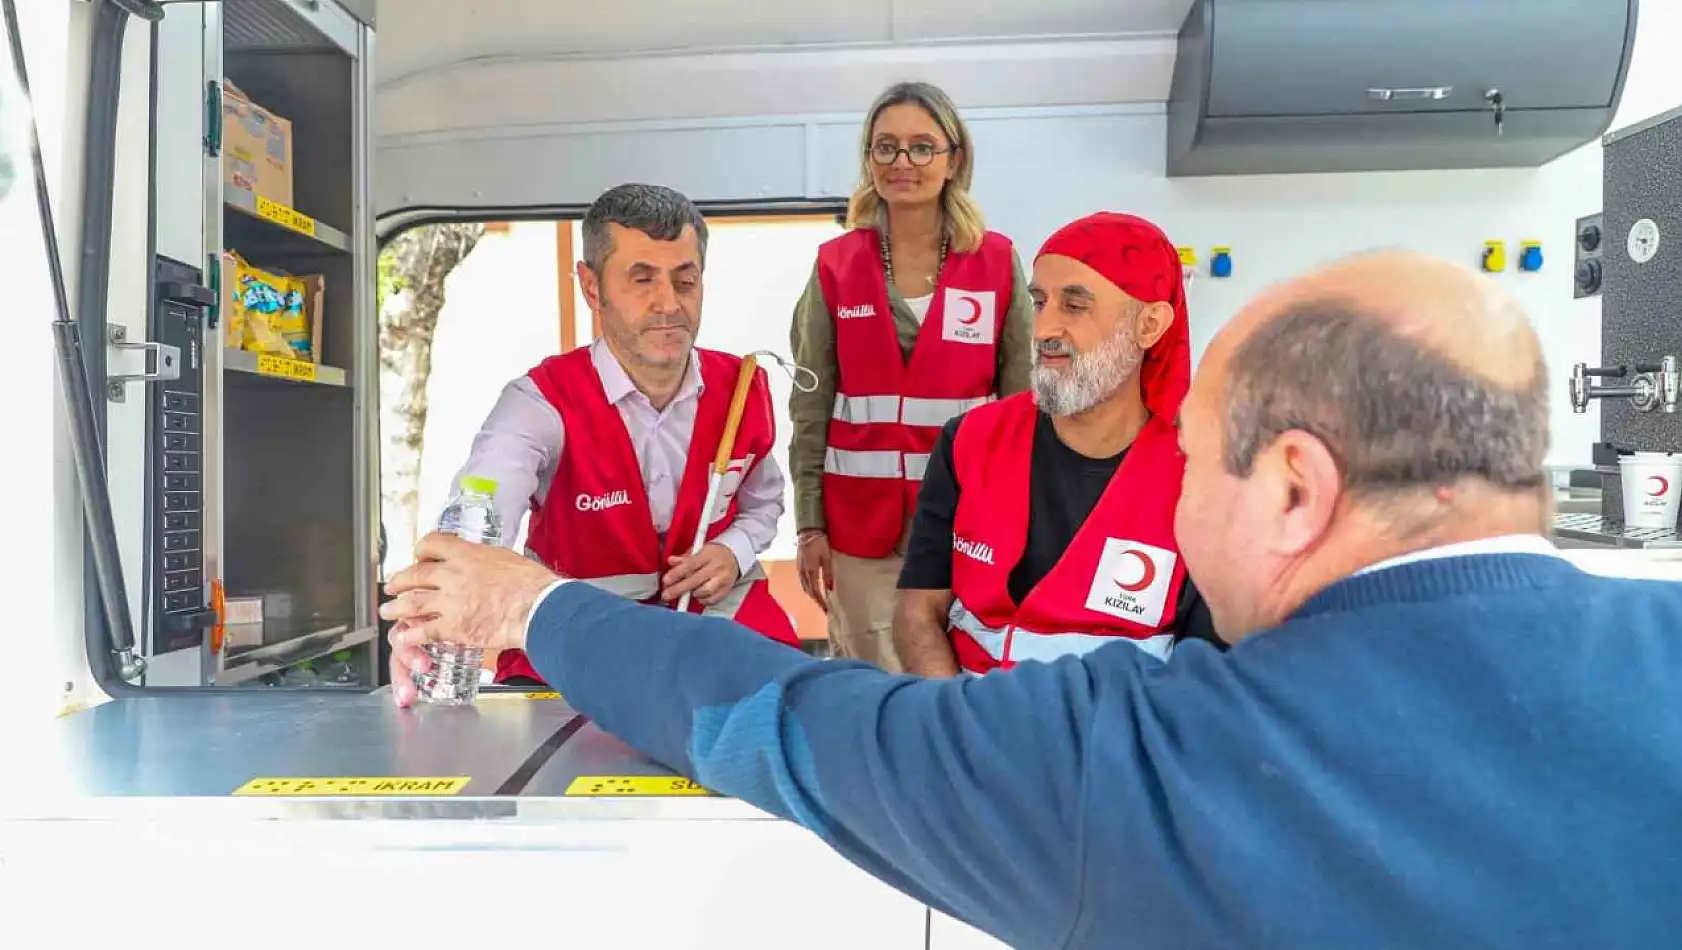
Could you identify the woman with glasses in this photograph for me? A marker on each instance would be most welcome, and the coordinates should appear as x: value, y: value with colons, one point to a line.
x: 915, y: 315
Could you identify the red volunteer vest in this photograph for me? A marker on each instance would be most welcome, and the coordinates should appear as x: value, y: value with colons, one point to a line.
x: 1119, y: 578
x: 595, y: 523
x: 888, y: 412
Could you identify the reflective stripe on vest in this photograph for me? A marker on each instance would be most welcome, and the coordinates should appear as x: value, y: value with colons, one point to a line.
x: 630, y: 586
x: 642, y: 587
x: 875, y: 464
x: 862, y: 464
x: 911, y: 410
x: 935, y: 413
x: 1028, y: 644
x: 916, y: 463
x: 866, y: 410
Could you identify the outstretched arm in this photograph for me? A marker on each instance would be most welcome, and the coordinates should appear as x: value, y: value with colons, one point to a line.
x: 963, y: 793
x: 517, y: 445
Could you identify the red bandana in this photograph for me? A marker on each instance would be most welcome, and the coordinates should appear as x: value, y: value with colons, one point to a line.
x: 1138, y: 258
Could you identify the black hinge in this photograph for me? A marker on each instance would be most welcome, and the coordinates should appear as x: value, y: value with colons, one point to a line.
x: 213, y: 310
x: 213, y: 118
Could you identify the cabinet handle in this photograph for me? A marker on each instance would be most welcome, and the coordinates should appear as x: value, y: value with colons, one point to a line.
x: 1419, y: 92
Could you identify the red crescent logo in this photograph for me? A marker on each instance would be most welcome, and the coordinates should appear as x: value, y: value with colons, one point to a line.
x: 1146, y: 577
x: 975, y: 311
x: 1664, y: 486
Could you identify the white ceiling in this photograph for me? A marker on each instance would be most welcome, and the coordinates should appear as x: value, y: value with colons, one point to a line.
x: 425, y: 36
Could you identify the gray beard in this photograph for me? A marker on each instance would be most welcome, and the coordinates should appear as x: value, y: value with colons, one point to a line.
x: 1089, y: 379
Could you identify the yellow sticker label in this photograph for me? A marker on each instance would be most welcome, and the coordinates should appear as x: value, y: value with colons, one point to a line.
x: 271, y: 365
x: 549, y: 695
x: 608, y: 786
x: 285, y: 217
x: 372, y: 787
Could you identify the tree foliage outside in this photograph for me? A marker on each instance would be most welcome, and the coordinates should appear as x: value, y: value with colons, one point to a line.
x: 412, y: 271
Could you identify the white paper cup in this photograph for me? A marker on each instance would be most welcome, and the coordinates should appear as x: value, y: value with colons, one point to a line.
x: 1652, y: 485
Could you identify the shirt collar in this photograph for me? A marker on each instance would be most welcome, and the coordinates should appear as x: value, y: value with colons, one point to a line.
x: 1501, y: 544
x: 617, y: 384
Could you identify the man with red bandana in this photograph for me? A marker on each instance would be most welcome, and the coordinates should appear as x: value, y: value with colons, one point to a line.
x: 1045, y: 522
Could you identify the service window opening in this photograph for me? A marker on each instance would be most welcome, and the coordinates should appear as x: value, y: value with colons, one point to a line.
x: 468, y: 307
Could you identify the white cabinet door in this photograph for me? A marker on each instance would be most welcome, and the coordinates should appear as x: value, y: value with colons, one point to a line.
x: 674, y: 885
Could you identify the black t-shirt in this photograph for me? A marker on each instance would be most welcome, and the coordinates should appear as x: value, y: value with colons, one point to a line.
x: 1063, y: 488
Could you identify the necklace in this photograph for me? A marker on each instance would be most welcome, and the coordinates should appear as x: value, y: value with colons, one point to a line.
x: 888, y: 256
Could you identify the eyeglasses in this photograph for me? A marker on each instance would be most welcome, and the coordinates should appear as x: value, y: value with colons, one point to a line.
x: 920, y: 153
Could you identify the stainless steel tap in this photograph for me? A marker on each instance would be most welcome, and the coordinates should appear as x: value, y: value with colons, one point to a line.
x: 1653, y: 385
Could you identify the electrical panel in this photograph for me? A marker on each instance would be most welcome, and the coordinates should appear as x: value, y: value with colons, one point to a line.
x: 176, y: 589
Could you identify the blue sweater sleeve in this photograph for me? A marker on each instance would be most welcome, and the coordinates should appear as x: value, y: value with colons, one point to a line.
x: 965, y: 794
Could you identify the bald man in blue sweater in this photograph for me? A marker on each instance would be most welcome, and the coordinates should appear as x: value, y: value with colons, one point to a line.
x: 1431, y: 731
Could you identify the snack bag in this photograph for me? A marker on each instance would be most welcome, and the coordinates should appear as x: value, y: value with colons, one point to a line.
x: 233, y: 315
x: 271, y: 312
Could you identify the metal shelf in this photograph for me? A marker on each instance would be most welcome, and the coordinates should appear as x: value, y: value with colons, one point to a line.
x: 287, y: 370
x: 279, y: 26
x: 273, y: 228
x: 289, y: 649
x: 1594, y: 529
x: 271, y: 422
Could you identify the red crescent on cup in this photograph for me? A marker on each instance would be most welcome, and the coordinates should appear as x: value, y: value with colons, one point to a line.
x: 1145, y: 579
x: 1664, y: 486
x: 975, y: 311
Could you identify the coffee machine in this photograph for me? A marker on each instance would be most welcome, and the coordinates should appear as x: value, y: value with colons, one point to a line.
x: 1631, y: 254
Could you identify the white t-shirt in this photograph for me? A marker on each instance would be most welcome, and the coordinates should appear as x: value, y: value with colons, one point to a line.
x: 919, y: 307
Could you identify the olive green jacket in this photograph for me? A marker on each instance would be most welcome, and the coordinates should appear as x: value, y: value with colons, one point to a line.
x: 812, y: 339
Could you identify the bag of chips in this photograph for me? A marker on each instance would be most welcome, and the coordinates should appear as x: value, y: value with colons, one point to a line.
x: 270, y: 311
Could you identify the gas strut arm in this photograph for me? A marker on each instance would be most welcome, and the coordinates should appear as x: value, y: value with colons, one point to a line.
x: 73, y: 380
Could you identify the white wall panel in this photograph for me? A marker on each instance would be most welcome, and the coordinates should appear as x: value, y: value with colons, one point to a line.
x: 572, y: 167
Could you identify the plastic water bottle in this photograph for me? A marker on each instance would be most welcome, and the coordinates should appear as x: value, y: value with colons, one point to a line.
x: 453, y: 679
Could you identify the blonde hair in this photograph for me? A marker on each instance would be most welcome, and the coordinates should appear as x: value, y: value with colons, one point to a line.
x: 963, y: 222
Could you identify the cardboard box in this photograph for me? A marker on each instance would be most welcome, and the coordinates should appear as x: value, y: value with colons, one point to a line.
x: 249, y: 321
x: 242, y: 619
x: 256, y: 148
x: 242, y: 610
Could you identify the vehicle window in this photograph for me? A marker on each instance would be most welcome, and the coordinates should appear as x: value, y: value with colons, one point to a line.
x: 467, y: 308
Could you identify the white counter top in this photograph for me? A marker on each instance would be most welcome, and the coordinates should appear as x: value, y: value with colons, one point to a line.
x: 1662, y: 564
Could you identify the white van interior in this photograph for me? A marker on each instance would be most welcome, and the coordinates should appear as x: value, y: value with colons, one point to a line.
x: 198, y: 686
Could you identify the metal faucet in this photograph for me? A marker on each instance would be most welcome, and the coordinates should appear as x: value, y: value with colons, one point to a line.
x: 1654, y: 385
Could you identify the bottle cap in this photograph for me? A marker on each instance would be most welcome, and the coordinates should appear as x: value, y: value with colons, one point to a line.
x: 474, y: 483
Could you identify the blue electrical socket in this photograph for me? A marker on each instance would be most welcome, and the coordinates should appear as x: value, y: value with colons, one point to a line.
x: 1220, y: 263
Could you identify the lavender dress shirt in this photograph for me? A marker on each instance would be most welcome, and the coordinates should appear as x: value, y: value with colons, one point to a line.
x: 523, y: 437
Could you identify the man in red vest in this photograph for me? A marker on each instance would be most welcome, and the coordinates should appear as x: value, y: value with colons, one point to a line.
x: 610, y: 445
x: 1045, y: 524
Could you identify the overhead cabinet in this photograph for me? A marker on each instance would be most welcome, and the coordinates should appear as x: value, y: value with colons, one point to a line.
x: 1266, y: 86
